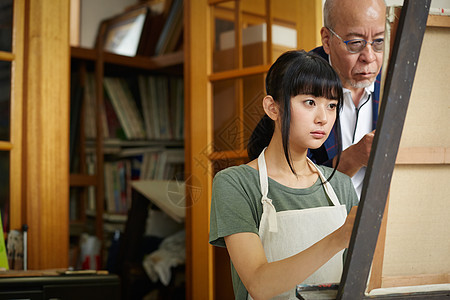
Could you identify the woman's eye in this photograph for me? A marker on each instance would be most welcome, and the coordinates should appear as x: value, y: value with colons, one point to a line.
x: 309, y: 102
x: 332, y: 105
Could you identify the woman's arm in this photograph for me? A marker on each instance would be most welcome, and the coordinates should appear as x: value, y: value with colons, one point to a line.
x: 264, y: 280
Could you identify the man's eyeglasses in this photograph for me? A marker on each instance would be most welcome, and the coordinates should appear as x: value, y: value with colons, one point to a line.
x: 358, y: 45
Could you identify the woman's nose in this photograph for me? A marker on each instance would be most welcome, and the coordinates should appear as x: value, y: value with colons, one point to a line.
x: 321, y: 116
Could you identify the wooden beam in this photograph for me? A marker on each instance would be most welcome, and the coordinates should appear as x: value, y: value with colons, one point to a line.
x: 16, y: 170
x: 397, y: 281
x: 7, y: 56
x: 46, y: 132
x: 423, y: 156
x: 198, y: 136
x: 438, y: 21
x: 397, y: 91
x: 4, y: 146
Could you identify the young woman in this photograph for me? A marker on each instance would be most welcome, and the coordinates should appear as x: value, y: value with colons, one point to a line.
x: 283, y: 219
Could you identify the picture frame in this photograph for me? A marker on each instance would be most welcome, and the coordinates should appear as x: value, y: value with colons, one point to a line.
x: 123, y: 33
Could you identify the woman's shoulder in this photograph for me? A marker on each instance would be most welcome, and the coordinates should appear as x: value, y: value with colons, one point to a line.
x: 236, y: 172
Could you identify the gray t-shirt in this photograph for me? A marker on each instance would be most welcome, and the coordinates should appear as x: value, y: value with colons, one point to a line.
x: 236, y: 204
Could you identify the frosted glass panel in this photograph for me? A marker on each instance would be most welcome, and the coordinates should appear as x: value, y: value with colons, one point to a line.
x: 4, y: 188
x: 6, y: 12
x: 5, y: 100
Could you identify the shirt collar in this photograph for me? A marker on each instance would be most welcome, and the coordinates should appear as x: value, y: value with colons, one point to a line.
x: 367, y: 90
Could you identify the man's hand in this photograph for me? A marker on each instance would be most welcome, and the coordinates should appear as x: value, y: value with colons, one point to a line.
x: 356, y: 156
x: 362, y: 149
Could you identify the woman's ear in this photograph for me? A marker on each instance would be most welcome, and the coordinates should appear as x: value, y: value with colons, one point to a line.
x: 271, y: 107
x: 326, y: 36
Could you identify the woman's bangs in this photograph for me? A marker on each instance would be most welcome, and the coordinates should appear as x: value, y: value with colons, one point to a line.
x: 311, y: 84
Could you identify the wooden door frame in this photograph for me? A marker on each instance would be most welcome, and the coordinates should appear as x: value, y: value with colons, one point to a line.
x: 44, y: 180
x: 198, y: 138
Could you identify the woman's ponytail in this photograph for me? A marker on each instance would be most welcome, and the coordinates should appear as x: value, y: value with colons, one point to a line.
x: 261, y: 136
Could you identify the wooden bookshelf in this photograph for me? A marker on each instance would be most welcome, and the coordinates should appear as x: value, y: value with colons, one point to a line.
x: 103, y: 64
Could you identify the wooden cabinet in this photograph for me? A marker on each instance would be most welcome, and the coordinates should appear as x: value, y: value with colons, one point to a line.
x: 225, y: 67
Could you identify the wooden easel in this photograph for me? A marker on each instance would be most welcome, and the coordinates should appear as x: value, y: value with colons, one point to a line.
x: 397, y: 90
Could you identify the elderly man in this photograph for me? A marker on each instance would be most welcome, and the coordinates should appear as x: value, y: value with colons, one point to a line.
x: 353, y: 43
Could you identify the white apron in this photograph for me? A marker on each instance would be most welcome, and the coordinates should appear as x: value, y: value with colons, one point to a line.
x: 286, y: 233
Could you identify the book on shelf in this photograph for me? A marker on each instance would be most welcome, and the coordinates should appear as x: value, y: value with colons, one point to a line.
x: 125, y: 107
x: 152, y: 30
x: 90, y: 130
x: 90, y: 167
x: 152, y: 164
x: 117, y: 177
x: 76, y: 100
x: 156, y: 17
x: 161, y: 90
x: 89, y: 107
x: 115, y: 130
x: 162, y: 100
x: 171, y: 33
x: 159, y: 98
x: 162, y: 164
x: 176, y: 88
x: 145, y: 107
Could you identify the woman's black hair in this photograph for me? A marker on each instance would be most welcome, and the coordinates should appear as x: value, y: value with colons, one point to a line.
x: 296, y: 73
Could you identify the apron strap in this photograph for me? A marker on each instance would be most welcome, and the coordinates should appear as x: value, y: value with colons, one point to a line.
x: 327, y: 186
x: 269, y: 211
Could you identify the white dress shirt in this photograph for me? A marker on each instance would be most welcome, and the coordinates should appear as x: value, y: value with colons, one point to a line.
x: 355, y: 123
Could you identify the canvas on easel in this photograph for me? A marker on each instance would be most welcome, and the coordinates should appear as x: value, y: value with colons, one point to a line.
x: 414, y: 244
x: 406, y: 264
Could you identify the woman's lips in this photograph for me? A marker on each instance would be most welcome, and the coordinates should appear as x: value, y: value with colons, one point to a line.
x: 318, y: 134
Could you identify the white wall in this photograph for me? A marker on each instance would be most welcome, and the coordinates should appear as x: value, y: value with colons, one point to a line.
x: 434, y: 3
x: 93, y: 12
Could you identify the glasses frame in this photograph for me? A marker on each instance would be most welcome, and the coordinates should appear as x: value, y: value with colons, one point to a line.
x: 360, y: 40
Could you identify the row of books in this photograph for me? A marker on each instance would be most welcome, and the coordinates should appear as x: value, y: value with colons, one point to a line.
x: 152, y: 164
x: 146, y: 107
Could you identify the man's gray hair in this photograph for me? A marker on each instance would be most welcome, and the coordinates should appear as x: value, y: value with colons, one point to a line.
x: 328, y: 7
x: 329, y: 19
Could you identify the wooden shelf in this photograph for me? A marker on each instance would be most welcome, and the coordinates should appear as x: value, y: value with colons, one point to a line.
x: 82, y: 180
x: 136, y: 143
x: 83, y: 53
x: 140, y: 62
x: 146, y: 63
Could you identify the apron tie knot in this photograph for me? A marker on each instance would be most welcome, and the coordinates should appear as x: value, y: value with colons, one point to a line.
x: 270, y: 213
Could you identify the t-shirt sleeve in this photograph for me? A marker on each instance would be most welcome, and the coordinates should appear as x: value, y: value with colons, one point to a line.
x: 232, y: 210
x: 350, y: 197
